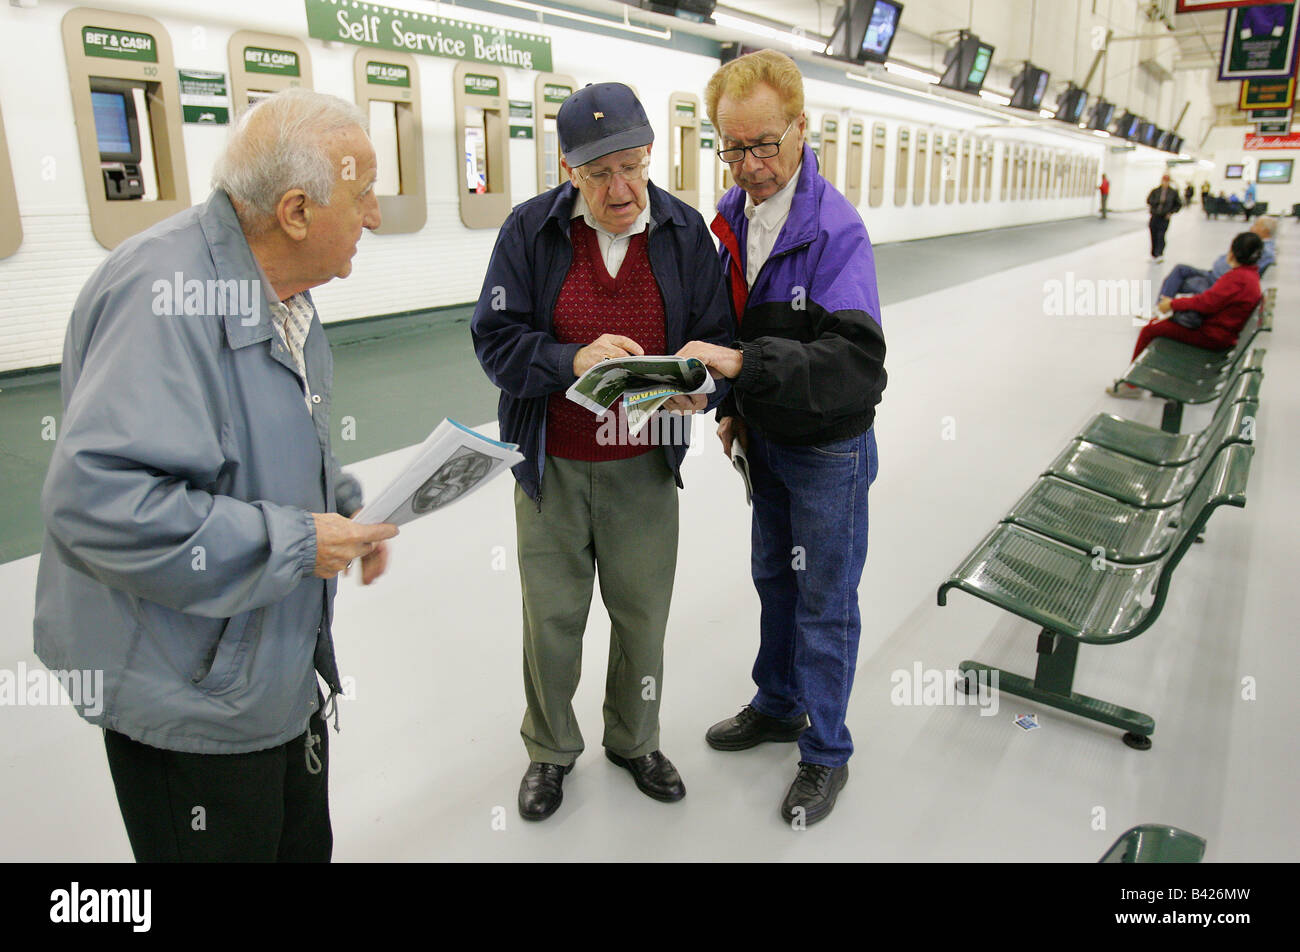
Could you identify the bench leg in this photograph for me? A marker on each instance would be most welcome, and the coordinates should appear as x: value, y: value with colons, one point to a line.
x: 1053, y: 686
x: 1172, y: 421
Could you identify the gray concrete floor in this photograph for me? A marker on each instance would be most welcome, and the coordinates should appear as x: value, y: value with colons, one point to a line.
x: 985, y: 388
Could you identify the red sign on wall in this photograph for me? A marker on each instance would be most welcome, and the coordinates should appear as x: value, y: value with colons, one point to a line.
x: 1290, y: 141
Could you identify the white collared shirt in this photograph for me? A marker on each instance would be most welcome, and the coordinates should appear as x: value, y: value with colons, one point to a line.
x: 613, y: 248
x: 765, y: 224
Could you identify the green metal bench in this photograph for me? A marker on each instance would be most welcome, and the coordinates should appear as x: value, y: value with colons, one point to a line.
x: 1156, y: 843
x: 1149, y: 485
x: 1183, y: 374
x: 1156, y: 446
x: 1080, y: 598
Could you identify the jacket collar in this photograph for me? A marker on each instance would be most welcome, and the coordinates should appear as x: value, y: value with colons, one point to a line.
x: 801, y: 225
x: 233, y: 260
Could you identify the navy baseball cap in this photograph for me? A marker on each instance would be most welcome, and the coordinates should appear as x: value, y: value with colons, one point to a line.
x: 600, y: 119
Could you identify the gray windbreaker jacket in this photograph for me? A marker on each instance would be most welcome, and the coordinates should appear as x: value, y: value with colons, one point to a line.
x: 179, y: 544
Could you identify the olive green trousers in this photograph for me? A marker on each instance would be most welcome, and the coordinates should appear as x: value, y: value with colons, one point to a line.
x: 616, y: 520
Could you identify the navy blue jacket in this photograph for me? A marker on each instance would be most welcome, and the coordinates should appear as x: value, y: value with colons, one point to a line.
x: 513, y: 325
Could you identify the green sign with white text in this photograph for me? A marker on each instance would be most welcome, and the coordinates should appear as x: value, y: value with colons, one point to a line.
x: 477, y: 84
x: 258, y: 59
x: 367, y: 24
x: 388, y: 74
x: 118, y: 44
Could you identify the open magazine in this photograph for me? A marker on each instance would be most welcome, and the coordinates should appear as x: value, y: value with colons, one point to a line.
x: 449, y: 465
x: 644, y: 383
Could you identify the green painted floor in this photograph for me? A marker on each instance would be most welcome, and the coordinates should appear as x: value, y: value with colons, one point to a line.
x: 399, y: 377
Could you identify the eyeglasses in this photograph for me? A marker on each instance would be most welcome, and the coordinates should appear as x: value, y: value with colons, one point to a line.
x: 764, y: 150
x: 631, y: 172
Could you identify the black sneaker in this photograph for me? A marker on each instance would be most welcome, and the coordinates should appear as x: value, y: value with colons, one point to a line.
x: 749, y: 728
x: 812, y: 795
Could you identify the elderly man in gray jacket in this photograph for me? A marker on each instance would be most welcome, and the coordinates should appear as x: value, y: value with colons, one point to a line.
x: 194, y: 511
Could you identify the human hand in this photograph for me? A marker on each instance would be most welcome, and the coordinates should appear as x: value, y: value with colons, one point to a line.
x: 602, y: 348
x: 374, y: 563
x: 339, y: 540
x: 730, y: 429
x: 1165, y: 305
x: 721, y: 361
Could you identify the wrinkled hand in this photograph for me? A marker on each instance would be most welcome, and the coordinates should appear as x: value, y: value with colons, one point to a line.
x: 375, y: 563
x: 721, y: 361
x: 605, y: 346
x: 339, y: 540
x: 686, y: 403
x: 732, y: 428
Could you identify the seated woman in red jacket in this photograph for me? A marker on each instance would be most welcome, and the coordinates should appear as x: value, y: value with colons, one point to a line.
x: 1213, y: 318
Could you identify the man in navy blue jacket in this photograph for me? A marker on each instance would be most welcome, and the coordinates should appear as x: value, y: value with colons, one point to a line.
x: 808, y: 370
x: 603, y: 266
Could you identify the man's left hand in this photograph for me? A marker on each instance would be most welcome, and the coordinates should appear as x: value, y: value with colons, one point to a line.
x: 1165, y: 305
x: 721, y: 361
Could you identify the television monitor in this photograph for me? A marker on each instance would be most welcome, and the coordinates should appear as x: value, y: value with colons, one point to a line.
x: 966, y: 63
x: 882, y: 24
x: 1177, y: 144
x: 1103, y: 113
x: 112, y: 104
x: 1146, y: 132
x: 1232, y: 171
x: 1274, y: 171
x: 1127, y: 126
x: 1028, y: 86
x: 1163, y: 140
x: 980, y: 68
x: 1070, y: 105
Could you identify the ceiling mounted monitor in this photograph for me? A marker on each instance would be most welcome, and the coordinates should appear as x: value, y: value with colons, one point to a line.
x: 1028, y: 87
x: 1070, y: 105
x: 1103, y: 114
x: 697, y: 11
x: 966, y: 63
x: 1127, y: 126
x: 864, y: 30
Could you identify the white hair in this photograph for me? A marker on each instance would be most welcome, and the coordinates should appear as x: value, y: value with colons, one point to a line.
x: 1269, y: 223
x: 278, y: 145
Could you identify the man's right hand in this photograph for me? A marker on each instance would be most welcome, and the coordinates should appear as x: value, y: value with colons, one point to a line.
x: 605, y: 346
x: 339, y: 540
x: 732, y: 428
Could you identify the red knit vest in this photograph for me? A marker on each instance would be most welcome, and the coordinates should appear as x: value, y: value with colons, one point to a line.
x: 592, y: 303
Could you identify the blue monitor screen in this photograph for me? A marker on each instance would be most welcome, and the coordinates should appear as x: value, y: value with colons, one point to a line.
x: 980, y: 66
x: 110, y: 122
x: 880, y: 31
x: 1040, y: 89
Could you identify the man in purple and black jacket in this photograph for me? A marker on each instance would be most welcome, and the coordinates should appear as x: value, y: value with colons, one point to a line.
x: 807, y: 369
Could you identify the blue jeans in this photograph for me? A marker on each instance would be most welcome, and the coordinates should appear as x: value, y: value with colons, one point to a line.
x: 1185, y: 279
x: 808, y: 550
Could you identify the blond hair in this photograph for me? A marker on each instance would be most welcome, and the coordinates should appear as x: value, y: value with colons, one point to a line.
x: 739, y: 77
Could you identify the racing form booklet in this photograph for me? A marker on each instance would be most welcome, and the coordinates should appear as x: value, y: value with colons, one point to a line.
x: 644, y: 383
x: 449, y: 465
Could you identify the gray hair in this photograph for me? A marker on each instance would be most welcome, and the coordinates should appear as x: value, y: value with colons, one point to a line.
x: 1269, y: 223
x: 278, y: 145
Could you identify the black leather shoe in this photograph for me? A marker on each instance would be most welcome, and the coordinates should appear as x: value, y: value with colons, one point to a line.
x: 654, y: 774
x: 814, y: 790
x: 541, y: 790
x: 750, y: 728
